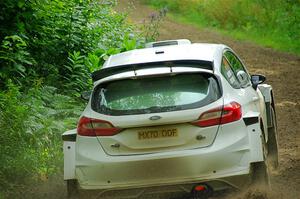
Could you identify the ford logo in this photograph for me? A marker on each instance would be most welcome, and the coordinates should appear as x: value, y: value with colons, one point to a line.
x: 155, y: 117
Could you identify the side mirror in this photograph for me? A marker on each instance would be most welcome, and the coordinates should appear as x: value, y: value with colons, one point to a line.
x: 257, y: 79
x: 85, y: 95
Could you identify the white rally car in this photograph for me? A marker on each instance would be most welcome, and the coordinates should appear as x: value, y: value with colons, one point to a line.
x: 172, y: 117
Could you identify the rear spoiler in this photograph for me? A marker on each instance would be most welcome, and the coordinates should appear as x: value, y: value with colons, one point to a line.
x: 105, y: 72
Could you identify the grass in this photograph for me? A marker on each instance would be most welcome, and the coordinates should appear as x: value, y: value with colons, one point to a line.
x: 274, y: 26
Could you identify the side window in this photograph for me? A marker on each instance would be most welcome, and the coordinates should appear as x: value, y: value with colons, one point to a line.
x: 228, y: 74
x: 238, y: 69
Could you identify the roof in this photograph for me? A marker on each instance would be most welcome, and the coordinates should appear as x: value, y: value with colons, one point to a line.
x: 196, y: 51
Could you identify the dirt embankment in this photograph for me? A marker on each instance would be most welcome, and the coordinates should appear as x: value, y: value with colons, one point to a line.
x: 283, y: 73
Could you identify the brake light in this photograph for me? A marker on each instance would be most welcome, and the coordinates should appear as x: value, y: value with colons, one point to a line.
x: 94, y: 127
x: 222, y: 115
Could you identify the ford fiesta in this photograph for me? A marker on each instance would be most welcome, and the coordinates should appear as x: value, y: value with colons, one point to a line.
x: 174, y: 117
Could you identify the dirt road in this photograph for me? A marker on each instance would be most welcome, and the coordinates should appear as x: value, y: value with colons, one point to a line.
x: 283, y: 73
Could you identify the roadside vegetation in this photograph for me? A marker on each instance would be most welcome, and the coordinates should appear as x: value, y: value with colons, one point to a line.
x: 271, y: 23
x: 48, y: 50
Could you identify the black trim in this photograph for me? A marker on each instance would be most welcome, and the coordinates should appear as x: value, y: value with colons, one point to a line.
x: 219, y: 82
x: 159, y: 52
x: 105, y: 72
x: 165, y: 43
x: 250, y: 120
x: 69, y: 137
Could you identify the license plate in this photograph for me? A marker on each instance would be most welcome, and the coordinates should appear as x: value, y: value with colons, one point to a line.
x: 161, y: 133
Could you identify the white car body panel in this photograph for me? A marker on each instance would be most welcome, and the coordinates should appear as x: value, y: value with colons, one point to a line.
x: 229, y: 155
x: 146, y: 55
x: 130, y: 144
x: 69, y: 156
x: 228, y: 150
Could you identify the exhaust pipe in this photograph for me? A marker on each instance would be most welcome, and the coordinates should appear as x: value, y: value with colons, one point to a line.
x: 201, y: 191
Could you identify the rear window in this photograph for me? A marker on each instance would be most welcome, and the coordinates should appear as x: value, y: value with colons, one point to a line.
x: 155, y: 94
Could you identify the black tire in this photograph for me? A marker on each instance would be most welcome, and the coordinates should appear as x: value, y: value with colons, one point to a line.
x: 72, y: 189
x: 272, y: 141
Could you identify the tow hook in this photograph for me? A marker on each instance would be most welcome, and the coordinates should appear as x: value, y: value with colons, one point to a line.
x: 201, y: 191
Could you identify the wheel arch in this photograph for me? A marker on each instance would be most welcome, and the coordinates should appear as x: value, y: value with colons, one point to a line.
x: 267, y: 91
x: 273, y: 106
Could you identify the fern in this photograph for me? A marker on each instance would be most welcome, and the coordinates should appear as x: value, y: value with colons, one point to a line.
x: 77, y: 75
x: 31, y: 125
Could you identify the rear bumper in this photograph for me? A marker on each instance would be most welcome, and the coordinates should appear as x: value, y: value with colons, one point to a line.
x: 163, y: 171
x: 226, y: 162
x: 175, y: 190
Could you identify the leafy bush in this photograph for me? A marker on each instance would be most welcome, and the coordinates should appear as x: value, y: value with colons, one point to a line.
x: 31, y: 125
x: 15, y: 60
x: 53, y: 30
x: 48, y: 50
x: 77, y: 74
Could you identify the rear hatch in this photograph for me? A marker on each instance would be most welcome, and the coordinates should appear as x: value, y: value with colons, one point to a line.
x: 157, y: 113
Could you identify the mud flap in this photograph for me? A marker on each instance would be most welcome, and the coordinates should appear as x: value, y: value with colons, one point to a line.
x: 69, y: 138
x: 255, y: 141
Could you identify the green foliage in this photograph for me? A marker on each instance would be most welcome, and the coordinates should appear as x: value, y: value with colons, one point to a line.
x: 78, y: 69
x: 273, y: 23
x: 15, y: 60
x: 129, y: 43
x: 76, y: 74
x: 53, y: 30
x: 31, y: 125
x: 48, y: 51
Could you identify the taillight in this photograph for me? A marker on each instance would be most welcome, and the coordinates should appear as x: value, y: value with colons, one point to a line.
x: 225, y: 114
x: 94, y: 127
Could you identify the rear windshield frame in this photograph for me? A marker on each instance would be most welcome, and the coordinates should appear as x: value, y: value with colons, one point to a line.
x: 207, y: 100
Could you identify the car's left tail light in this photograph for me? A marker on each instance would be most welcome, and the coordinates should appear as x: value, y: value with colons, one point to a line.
x: 221, y: 115
x: 95, y: 127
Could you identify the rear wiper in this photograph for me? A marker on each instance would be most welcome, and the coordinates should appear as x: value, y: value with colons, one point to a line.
x: 103, y: 100
x: 154, y: 108
x: 159, y: 108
